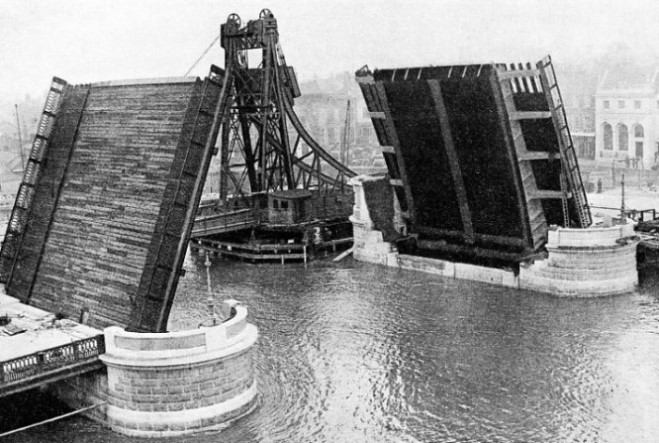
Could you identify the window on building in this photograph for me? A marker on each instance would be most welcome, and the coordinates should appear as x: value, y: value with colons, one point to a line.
x: 621, y: 104
x: 607, y: 104
x: 283, y: 204
x: 638, y: 131
x: 637, y: 104
x: 623, y: 137
x: 608, y: 136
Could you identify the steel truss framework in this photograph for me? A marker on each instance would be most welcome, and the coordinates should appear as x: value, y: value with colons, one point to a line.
x: 264, y: 146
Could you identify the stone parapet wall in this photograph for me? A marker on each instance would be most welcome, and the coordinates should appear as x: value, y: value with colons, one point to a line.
x: 149, y: 349
x: 591, y: 237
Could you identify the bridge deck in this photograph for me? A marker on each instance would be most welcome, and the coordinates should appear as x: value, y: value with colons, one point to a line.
x: 33, y: 350
x: 475, y: 154
x: 105, y: 209
x: 224, y: 222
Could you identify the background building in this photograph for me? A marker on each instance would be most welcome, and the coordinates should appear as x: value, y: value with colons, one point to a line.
x: 324, y: 112
x: 578, y: 86
x: 627, y: 116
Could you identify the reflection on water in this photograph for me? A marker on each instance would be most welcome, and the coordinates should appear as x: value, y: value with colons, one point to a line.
x: 356, y: 352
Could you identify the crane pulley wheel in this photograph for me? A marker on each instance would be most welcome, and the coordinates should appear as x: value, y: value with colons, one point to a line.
x: 234, y: 19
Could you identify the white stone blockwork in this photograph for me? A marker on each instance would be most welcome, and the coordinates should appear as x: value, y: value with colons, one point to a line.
x: 589, y: 262
x: 180, y: 382
x: 169, y: 384
x: 368, y: 244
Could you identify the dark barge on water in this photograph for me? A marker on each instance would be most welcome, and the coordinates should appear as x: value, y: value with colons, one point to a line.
x: 294, y: 224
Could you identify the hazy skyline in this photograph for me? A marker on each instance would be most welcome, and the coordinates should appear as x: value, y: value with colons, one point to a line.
x: 88, y: 41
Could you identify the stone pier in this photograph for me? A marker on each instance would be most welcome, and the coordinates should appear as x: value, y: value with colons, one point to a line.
x: 589, y: 262
x: 369, y: 242
x: 585, y: 262
x: 169, y: 384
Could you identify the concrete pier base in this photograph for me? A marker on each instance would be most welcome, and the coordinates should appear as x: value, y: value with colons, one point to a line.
x: 607, y: 266
x: 161, y: 385
x: 589, y: 262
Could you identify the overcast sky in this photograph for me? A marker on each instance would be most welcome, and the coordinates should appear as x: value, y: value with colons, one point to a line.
x: 89, y: 40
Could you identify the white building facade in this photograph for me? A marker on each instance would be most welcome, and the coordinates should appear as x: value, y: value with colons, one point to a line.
x: 627, y: 120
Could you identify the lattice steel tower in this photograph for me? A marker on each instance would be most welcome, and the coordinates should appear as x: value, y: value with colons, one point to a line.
x: 264, y: 146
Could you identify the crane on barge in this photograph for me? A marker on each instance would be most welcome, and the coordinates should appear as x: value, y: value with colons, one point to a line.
x: 276, y: 181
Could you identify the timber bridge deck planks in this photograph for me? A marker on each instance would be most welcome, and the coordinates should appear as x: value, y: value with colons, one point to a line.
x: 104, y: 214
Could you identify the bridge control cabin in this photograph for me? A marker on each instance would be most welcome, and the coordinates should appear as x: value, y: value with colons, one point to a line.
x: 289, y: 207
x: 480, y: 157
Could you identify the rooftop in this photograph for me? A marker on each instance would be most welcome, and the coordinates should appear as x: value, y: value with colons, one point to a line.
x: 630, y: 78
x: 292, y: 194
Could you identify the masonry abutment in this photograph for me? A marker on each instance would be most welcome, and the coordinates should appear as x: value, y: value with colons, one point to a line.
x: 170, y: 384
x: 589, y: 262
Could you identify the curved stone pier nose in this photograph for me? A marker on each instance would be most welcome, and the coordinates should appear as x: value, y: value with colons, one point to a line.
x: 590, y: 262
x: 167, y: 384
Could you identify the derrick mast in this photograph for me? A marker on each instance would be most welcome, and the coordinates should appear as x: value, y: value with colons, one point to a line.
x: 257, y: 153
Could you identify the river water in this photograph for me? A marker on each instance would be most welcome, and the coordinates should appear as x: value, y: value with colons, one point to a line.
x: 353, y: 352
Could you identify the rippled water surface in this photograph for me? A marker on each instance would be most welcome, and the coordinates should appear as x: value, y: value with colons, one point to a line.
x: 354, y: 352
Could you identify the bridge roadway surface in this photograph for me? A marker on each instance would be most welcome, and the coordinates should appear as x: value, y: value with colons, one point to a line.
x: 45, y: 351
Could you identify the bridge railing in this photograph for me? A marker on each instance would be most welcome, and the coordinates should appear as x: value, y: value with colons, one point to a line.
x: 639, y: 215
x: 322, y: 209
x: 223, y: 221
x: 52, y: 359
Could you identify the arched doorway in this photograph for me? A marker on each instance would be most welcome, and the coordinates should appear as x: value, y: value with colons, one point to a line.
x: 623, y: 137
x: 639, y: 135
x: 608, y: 137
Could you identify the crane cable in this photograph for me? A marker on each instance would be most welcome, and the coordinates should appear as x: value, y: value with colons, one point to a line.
x: 203, y: 54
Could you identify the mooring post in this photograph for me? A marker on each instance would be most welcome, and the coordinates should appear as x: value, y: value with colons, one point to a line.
x: 622, y: 201
x: 210, y: 300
